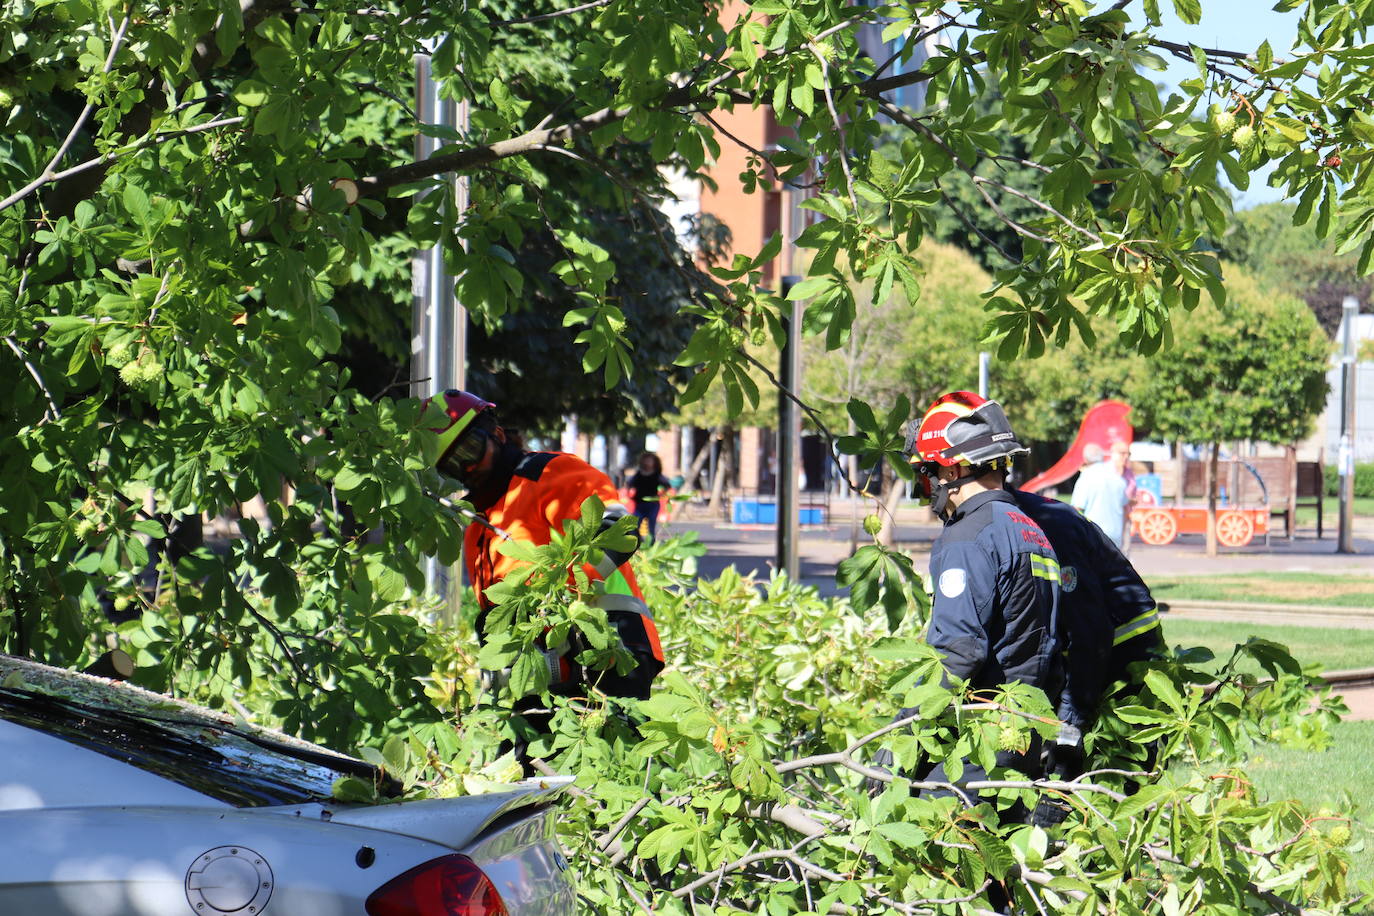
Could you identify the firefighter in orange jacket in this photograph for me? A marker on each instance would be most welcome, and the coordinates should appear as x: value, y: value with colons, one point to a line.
x: 528, y: 496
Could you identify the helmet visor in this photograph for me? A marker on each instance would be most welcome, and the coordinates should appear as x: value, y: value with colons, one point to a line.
x: 466, y: 451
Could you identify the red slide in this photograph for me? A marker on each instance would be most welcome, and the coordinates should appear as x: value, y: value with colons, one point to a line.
x: 1102, y: 425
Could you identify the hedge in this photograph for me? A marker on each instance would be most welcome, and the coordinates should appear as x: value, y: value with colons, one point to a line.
x: 1364, y: 480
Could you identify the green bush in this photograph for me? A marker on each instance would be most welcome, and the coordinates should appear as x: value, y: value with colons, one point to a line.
x: 1364, y: 480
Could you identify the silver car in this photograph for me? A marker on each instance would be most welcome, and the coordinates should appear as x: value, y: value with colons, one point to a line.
x: 119, y: 802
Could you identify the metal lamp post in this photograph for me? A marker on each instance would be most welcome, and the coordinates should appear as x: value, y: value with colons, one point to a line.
x: 438, y: 345
x: 789, y: 438
x: 1345, y: 455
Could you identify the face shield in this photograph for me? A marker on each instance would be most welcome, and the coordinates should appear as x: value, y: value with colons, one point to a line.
x: 465, y: 453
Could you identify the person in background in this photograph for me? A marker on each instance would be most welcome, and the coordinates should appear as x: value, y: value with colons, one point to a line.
x: 1100, y: 493
x: 1120, y: 457
x: 647, y: 487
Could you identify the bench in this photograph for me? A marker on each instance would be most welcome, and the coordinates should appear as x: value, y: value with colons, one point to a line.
x: 1288, y: 485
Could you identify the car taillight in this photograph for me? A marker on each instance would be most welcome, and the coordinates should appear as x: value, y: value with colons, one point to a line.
x: 449, y: 886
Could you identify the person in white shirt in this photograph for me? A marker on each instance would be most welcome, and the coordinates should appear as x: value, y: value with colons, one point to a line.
x: 1101, y: 492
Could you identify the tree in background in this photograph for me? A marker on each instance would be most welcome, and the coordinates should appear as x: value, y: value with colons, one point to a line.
x: 1255, y: 369
x: 528, y: 366
x: 902, y: 349
x: 1295, y: 259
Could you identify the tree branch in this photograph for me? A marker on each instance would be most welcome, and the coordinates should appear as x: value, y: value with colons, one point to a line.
x: 46, y: 175
x: 107, y: 158
x: 554, y: 15
x: 681, y: 97
x: 53, y: 412
x: 839, y: 125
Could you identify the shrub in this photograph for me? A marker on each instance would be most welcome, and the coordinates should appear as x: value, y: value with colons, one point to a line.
x: 1364, y: 480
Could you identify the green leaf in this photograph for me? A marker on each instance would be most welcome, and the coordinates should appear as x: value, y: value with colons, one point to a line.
x: 1162, y: 687
x: 908, y: 836
x: 1190, y: 11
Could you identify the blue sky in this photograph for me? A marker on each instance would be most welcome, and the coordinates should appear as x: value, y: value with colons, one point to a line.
x: 1235, y: 25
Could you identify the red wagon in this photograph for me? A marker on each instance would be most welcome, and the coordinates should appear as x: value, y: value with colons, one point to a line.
x: 1236, y: 525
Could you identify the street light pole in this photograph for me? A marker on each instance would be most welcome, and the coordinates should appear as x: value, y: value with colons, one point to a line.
x: 789, y: 438
x: 439, y: 323
x: 438, y: 349
x: 1345, y: 454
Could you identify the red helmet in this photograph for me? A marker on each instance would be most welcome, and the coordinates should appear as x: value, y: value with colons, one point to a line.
x: 963, y: 428
x: 960, y: 429
x: 462, y: 438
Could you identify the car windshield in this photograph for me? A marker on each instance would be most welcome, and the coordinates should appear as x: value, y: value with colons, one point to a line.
x: 229, y: 761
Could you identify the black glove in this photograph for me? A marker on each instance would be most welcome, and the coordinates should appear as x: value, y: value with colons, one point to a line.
x: 1049, y: 811
x: 1063, y: 757
x: 882, y: 760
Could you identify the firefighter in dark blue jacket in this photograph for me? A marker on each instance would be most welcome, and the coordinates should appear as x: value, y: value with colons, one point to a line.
x: 1108, y: 620
x: 995, y: 576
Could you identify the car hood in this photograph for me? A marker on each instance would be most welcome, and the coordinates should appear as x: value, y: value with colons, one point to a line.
x: 452, y: 822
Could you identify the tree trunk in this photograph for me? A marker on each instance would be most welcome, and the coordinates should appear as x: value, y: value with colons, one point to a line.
x: 1290, y: 506
x: 689, y: 479
x: 853, y: 471
x: 1212, y: 499
x: 894, y: 489
x: 613, y: 468
x: 723, y: 468
x: 1180, y: 472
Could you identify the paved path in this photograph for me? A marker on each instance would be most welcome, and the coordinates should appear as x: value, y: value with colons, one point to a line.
x: 753, y: 548
x: 1361, y: 703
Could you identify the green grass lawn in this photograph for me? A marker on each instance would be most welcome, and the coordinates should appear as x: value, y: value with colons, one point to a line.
x: 1331, y: 513
x: 1336, y: 778
x: 1269, y: 588
x: 1328, y: 649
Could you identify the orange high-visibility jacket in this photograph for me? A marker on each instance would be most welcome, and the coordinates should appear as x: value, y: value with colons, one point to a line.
x: 546, y: 490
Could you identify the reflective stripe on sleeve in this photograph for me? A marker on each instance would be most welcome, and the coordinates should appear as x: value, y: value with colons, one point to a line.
x: 612, y: 603
x: 1044, y: 567
x: 607, y: 569
x: 1132, y: 628
x: 617, y: 584
x: 617, y: 601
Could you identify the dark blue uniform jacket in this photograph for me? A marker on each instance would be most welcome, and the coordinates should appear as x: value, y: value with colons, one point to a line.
x: 1107, y: 617
x: 995, y: 582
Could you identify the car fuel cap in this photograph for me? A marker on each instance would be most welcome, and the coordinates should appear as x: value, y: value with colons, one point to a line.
x: 229, y: 879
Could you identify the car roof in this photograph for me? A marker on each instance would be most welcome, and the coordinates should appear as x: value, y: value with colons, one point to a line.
x: 227, y: 759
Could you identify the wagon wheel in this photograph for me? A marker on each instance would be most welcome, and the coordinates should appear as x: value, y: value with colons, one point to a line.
x: 1234, y: 529
x: 1158, y: 527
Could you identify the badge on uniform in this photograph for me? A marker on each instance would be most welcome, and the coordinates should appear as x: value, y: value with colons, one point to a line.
x: 1068, y: 578
x: 952, y: 582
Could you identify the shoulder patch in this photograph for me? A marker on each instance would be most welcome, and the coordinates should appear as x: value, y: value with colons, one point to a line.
x: 1068, y: 578
x: 531, y: 467
x: 953, y: 582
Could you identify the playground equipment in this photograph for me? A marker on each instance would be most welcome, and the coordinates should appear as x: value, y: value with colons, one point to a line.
x: 1236, y: 526
x: 1103, y: 424
x: 1153, y: 522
